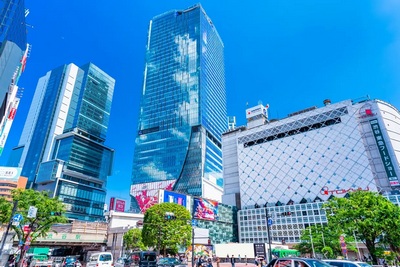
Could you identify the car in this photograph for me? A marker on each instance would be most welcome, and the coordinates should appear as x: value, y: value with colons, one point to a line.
x: 103, y: 259
x: 70, y: 261
x: 347, y: 263
x: 57, y: 262
x: 170, y: 262
x: 297, y: 262
x: 122, y: 262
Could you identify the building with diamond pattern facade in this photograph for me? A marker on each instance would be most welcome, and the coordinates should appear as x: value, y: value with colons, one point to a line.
x: 291, y: 166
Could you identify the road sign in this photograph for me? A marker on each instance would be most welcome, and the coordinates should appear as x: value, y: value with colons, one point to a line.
x: 26, y: 228
x: 195, y: 222
x: 270, y: 222
x: 15, y: 223
x: 26, y: 247
x: 17, y: 218
x: 32, y: 212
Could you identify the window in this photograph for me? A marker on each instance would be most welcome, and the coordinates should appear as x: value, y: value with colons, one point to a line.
x: 284, y: 263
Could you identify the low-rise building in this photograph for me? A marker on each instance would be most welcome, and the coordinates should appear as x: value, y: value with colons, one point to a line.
x: 291, y: 166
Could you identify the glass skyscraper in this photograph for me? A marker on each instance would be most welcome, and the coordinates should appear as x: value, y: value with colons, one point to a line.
x: 14, y: 51
x: 61, y: 148
x: 183, y: 109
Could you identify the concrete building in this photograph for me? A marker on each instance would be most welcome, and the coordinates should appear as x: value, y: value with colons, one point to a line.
x: 10, y: 179
x: 291, y: 166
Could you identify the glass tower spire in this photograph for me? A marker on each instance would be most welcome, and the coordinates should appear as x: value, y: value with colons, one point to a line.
x: 182, y: 111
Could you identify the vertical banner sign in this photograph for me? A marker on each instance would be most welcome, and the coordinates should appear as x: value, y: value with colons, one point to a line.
x: 112, y: 202
x: 383, y: 151
x: 259, y: 250
x: 343, y: 246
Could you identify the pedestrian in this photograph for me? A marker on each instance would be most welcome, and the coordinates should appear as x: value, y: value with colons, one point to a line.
x: 209, y: 262
x: 218, y: 261
x: 233, y: 261
x: 227, y: 257
x: 239, y: 258
x: 245, y: 259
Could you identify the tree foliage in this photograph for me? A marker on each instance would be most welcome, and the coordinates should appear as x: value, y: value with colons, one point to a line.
x: 166, y: 234
x: 40, y: 225
x: 133, y: 240
x: 5, y: 210
x: 324, y: 239
x: 368, y: 216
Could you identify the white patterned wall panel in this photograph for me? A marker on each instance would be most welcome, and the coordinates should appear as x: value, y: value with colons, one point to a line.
x: 301, y: 165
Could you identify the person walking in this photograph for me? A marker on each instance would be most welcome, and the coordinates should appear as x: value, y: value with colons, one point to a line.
x: 227, y: 258
x: 233, y: 261
x: 245, y: 259
x: 239, y: 258
x: 218, y: 261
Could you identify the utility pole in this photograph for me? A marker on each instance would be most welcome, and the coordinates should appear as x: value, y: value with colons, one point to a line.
x: 8, y: 227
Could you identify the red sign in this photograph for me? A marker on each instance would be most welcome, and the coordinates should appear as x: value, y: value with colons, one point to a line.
x: 26, y: 228
x: 326, y: 191
x: 120, y: 205
x: 111, y: 207
x: 12, y: 114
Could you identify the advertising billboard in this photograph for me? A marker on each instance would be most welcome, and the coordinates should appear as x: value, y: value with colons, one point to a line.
x: 146, y: 194
x: 10, y: 174
x: 205, y: 209
x: 120, y: 205
x: 166, y: 196
x: 117, y: 204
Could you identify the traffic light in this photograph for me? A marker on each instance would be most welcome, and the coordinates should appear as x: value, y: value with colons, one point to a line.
x: 286, y: 213
x: 55, y: 213
x: 169, y: 216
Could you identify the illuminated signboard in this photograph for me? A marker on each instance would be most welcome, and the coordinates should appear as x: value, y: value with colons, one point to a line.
x: 205, y: 209
x: 173, y: 197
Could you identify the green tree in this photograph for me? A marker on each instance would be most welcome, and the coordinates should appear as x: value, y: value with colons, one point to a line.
x: 325, y: 239
x: 5, y: 210
x: 391, y: 236
x: 166, y: 234
x: 364, y: 214
x: 49, y: 212
x: 133, y: 240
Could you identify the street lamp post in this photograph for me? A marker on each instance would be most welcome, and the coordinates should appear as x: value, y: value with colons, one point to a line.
x: 358, y: 249
x: 312, y: 244
x: 268, y: 231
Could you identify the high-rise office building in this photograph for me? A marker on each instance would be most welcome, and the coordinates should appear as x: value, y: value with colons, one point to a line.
x: 182, y: 110
x: 61, y: 148
x: 14, y: 51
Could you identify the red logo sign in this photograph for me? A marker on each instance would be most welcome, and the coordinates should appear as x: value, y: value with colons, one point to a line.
x: 325, y: 190
x: 120, y: 205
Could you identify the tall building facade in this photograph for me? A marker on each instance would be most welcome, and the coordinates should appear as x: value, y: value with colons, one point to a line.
x: 14, y: 51
x: 291, y: 166
x: 61, y: 148
x: 182, y: 111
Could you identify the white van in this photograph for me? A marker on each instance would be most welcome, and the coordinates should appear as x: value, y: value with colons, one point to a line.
x: 100, y: 259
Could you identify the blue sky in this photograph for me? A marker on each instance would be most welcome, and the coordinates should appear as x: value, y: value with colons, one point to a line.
x: 290, y: 54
